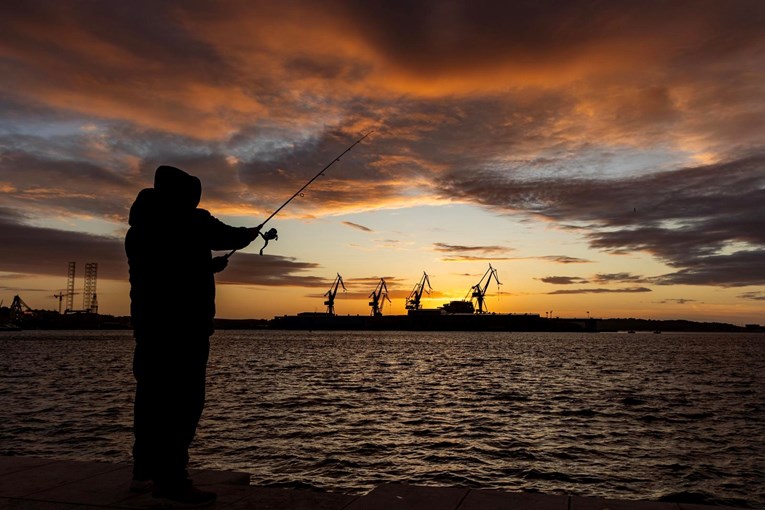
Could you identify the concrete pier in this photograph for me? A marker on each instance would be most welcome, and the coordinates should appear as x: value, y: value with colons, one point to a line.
x: 28, y: 483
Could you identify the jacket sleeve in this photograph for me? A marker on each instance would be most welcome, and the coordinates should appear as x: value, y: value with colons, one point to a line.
x: 221, y: 236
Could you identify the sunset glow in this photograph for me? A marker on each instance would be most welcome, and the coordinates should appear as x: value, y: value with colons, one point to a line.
x: 607, y: 159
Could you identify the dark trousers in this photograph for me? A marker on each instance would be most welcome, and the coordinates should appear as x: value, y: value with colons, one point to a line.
x: 170, y: 396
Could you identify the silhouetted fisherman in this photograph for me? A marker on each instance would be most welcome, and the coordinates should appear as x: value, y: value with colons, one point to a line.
x: 172, y: 293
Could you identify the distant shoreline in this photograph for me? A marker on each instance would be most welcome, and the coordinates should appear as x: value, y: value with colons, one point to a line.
x: 55, y: 321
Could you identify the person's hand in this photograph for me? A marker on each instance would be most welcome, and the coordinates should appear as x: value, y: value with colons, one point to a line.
x: 254, y: 232
x: 218, y: 264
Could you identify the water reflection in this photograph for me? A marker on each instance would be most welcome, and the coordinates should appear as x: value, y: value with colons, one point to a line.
x: 642, y: 416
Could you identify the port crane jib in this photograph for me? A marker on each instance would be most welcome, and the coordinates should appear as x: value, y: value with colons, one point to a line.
x: 413, y: 301
x: 478, y: 292
x: 332, y: 292
x: 380, y: 292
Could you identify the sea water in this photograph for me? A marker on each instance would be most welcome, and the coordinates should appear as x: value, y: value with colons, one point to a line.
x: 641, y: 416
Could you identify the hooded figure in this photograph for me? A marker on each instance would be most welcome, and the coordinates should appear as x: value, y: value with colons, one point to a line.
x: 172, y: 293
x: 168, y: 247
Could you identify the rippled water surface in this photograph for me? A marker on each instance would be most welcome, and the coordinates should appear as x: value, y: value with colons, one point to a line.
x: 632, y: 416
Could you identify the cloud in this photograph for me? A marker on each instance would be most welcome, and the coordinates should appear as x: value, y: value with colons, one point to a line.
x: 563, y: 280
x: 447, y: 38
x: 679, y: 301
x: 44, y: 251
x: 371, y: 281
x: 601, y: 291
x: 23, y: 289
x: 62, y: 185
x: 688, y: 218
x: 600, y: 278
x: 357, y: 226
x: 737, y: 269
x: 269, y: 270
x: 605, y: 278
x: 754, y: 295
x: 557, y: 259
x: 472, y: 258
x: 451, y: 248
x: 563, y: 259
x: 458, y: 252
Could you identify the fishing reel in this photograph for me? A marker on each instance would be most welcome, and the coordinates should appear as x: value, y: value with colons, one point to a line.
x: 270, y: 235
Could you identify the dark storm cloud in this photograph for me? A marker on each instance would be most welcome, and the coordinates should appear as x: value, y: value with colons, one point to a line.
x: 45, y: 251
x: 688, y: 218
x: 601, y: 291
x: 738, y: 269
x: 439, y: 34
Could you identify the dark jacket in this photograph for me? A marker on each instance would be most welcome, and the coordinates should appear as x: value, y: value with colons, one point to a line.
x: 168, y: 245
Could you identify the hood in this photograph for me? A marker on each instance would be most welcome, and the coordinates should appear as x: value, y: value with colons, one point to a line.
x: 144, y: 209
x: 177, y: 189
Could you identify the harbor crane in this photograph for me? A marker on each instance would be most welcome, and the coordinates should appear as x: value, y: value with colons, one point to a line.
x: 478, y: 293
x: 332, y: 292
x: 19, y: 309
x: 413, y: 301
x: 380, y: 292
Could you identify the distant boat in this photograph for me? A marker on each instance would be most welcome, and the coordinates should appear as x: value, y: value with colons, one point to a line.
x: 632, y: 331
x: 657, y: 332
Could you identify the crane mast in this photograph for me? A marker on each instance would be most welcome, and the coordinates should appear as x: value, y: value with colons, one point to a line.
x: 332, y: 292
x: 380, y: 292
x: 413, y: 301
x: 479, y: 294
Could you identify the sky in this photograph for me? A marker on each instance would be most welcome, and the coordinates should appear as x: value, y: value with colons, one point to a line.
x: 607, y: 158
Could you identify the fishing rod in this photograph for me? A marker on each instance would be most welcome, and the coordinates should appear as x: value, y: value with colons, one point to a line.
x: 272, y: 234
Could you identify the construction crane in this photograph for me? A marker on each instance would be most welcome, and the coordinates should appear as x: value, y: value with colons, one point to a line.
x: 332, y: 292
x: 478, y: 293
x: 413, y: 301
x: 60, y: 296
x: 380, y: 292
